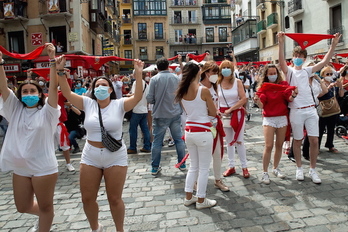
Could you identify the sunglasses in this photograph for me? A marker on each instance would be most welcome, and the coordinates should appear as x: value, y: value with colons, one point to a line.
x: 328, y: 74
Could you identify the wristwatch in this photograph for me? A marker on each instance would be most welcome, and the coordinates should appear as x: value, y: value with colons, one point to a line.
x: 61, y: 73
x: 2, y: 62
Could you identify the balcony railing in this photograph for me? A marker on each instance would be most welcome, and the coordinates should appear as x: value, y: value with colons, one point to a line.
x: 184, y: 20
x: 181, y: 3
x: 17, y: 10
x: 261, y: 26
x: 214, y: 1
x: 126, y: 20
x: 186, y: 41
x: 295, y: 7
x: 333, y: 31
x: 63, y: 7
x: 143, y: 57
x: 127, y: 1
x: 272, y: 20
x: 127, y: 41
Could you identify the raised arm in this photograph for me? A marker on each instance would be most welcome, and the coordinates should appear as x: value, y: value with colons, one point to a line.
x: 282, y: 61
x: 328, y: 55
x: 132, y: 101
x: 53, y: 89
x: 75, y: 99
x: 5, y: 91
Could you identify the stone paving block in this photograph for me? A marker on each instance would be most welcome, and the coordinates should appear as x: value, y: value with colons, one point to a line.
x: 205, y: 227
x: 168, y: 223
x: 253, y: 229
x: 133, y: 220
x: 241, y: 222
x: 144, y: 211
x: 317, y: 220
x: 176, y: 229
x: 278, y: 226
x: 176, y: 215
x: 302, y: 213
x: 153, y: 217
x: 337, y: 217
x: 263, y: 220
x: 145, y: 226
x: 15, y: 224
x: 321, y: 228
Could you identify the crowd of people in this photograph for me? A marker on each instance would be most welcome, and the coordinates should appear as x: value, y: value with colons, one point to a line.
x: 207, y: 103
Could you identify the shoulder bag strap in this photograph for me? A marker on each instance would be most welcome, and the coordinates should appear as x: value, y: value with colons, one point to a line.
x: 224, y: 96
x: 315, y: 103
x: 100, y: 117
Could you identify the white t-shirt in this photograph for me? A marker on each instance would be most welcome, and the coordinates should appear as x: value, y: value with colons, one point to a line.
x: 300, y: 78
x: 29, y: 142
x: 112, y: 116
x: 141, y: 107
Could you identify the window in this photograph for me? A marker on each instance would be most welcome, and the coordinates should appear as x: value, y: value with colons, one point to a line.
x: 150, y: 7
x: 212, y: 13
x: 220, y: 51
x: 298, y: 29
x: 275, y: 38
x: 127, y: 36
x: 264, y: 42
x: 192, y: 16
x: 336, y: 22
x: 177, y: 17
x: 16, y: 41
x: 128, y: 54
x: 159, y: 31
x: 209, y: 34
x: 178, y: 36
x: 142, y: 30
x: 58, y: 34
x: 222, y: 34
x: 143, y: 53
x: 159, y: 52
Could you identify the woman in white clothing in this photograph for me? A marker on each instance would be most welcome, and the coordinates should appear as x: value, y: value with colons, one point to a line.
x: 231, y: 101
x: 97, y: 161
x: 32, y: 120
x: 198, y: 104
x: 208, y: 79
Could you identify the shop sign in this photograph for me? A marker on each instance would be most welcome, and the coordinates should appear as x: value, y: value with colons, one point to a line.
x: 11, y: 68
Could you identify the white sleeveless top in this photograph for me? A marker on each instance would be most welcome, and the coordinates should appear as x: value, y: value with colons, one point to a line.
x: 231, y: 95
x: 196, y: 109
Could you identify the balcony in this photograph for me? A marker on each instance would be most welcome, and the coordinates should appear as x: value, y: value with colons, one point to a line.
x: 181, y: 3
x: 19, y: 13
x: 108, y: 28
x: 62, y: 11
x: 126, y: 2
x: 184, y: 20
x: 244, y: 32
x: 97, y: 23
x: 185, y: 41
x: 272, y: 20
x: 295, y: 8
x: 127, y: 41
x: 333, y: 31
x: 126, y: 20
x: 214, y: 1
x: 261, y: 27
x: 158, y: 37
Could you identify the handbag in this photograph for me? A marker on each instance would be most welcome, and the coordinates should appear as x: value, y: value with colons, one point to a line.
x: 107, y: 140
x: 329, y: 107
x: 226, y: 119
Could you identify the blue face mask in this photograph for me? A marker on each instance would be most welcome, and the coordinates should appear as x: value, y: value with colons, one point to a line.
x: 30, y: 100
x: 177, y: 69
x: 102, y: 92
x: 226, y: 72
x: 241, y: 77
x: 272, y: 78
x: 78, y: 85
x: 297, y: 61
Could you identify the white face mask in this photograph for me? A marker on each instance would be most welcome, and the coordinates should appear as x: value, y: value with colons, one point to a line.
x: 147, y: 79
x: 213, y: 78
x: 272, y: 78
x: 328, y: 78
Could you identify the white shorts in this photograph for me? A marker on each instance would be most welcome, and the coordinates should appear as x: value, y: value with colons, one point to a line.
x: 300, y: 118
x: 32, y: 174
x: 276, y: 122
x: 102, y: 158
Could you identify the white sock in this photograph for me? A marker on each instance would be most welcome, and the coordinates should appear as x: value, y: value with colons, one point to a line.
x: 299, y: 168
x: 312, y: 170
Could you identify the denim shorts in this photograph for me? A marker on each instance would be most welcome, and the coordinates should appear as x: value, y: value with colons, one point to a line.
x: 102, y: 158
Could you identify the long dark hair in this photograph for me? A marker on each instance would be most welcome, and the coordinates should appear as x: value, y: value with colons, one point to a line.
x: 112, y: 94
x: 189, y: 73
x: 41, y: 102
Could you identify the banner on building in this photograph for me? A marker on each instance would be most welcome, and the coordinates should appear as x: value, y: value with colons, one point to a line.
x: 53, y: 6
x: 8, y: 10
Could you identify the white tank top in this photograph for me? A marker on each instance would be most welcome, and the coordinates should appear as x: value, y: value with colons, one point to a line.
x: 196, y: 109
x: 231, y: 95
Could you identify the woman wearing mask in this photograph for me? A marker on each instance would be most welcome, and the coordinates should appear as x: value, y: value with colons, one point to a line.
x: 232, y: 98
x: 274, y: 101
x: 198, y: 105
x: 32, y: 118
x: 209, y: 78
x: 97, y: 161
x: 334, y: 89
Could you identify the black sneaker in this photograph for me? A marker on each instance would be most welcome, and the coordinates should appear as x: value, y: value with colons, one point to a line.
x: 292, y: 159
x: 76, y: 150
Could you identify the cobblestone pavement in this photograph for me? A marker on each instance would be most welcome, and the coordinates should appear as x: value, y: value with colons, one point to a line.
x: 156, y: 203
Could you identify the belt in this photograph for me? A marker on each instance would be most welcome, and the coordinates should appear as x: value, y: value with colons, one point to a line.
x: 197, y: 129
x: 305, y: 107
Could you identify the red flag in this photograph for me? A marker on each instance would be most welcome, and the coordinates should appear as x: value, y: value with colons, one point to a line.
x: 198, y: 58
x: 337, y: 66
x: 42, y: 72
x: 306, y: 40
x: 28, y: 56
x: 343, y: 55
x: 97, y: 61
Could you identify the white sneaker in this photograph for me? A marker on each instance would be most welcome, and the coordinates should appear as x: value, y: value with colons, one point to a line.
x: 193, y: 200
x: 265, y: 178
x: 278, y: 173
x: 299, y: 174
x: 314, y: 176
x: 100, y: 228
x: 207, y: 203
x: 70, y: 167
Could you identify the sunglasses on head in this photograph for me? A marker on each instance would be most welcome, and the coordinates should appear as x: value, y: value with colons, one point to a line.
x: 328, y: 74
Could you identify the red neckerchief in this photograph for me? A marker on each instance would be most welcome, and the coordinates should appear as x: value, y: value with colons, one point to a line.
x: 64, y: 134
x: 220, y: 133
x: 306, y: 40
x: 235, y: 123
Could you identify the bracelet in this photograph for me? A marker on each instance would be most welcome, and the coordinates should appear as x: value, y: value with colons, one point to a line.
x: 52, y: 60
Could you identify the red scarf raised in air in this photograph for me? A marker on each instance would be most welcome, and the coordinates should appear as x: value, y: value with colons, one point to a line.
x: 28, y: 56
x: 306, y: 40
